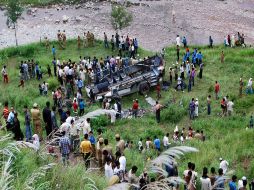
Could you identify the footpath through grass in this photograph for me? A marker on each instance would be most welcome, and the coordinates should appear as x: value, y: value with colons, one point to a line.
x: 226, y: 137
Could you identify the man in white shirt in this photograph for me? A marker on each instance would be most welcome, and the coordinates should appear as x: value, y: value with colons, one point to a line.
x: 230, y: 107
x: 86, y: 126
x: 178, y: 40
x: 166, y: 141
x: 224, y: 165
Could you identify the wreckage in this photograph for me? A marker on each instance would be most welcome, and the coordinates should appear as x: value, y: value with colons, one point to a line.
x: 139, y: 77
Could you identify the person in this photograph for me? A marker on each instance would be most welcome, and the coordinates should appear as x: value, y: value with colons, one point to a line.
x: 133, y: 179
x: 158, y: 111
x: 54, y: 65
x: 36, y: 114
x: 224, y: 165
x: 217, y: 89
x: 251, y: 122
x: 196, y: 107
x: 5, y: 74
x: 220, y: 180
x: 106, y: 41
x: 140, y: 145
x: 222, y: 57
x: 201, y: 70
x: 28, y: 124
x: 192, y: 108
x: 65, y: 147
x: 118, y: 171
x: 158, y: 90
x: 249, y: 89
x: 87, y: 126
x: 212, y: 176
x: 92, y: 140
x: 182, y: 72
x: 79, y: 42
x: 36, y: 141
x: 157, y: 143
x: 99, y: 148
x: 242, y: 183
x: 53, y: 119
x: 232, y: 183
x: 120, y: 144
x: 10, y: 119
x: 46, y: 114
x: 18, y: 135
x: 49, y: 71
x: 86, y: 150
x: 210, y: 42
x: 112, y: 43
x: 184, y: 42
x: 108, y: 148
x: 230, y: 105
x: 241, y: 87
x: 166, y: 141
x: 74, y: 135
x: 135, y: 108
x: 209, y: 105
x: 108, y: 168
x: 223, y: 105
x: 178, y: 40
x: 198, y: 135
x: 5, y: 111
x: 205, y: 180
x: 54, y: 51
x: 81, y: 107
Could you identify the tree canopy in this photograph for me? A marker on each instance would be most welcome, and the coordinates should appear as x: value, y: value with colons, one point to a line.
x: 14, y: 10
x: 120, y: 17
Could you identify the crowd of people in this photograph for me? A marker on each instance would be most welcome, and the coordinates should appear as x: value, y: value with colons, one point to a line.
x: 68, y: 102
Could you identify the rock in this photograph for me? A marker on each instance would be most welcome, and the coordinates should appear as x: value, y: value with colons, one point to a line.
x: 34, y: 15
x: 57, y: 21
x: 77, y: 6
x: 65, y: 19
x: 78, y: 19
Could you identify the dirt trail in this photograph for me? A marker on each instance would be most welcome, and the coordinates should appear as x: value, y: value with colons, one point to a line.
x: 153, y: 22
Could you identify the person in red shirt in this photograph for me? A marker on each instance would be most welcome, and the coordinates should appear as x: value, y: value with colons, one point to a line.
x: 158, y: 90
x: 75, y: 106
x: 135, y: 108
x: 223, y: 106
x: 216, y: 89
x: 6, y: 111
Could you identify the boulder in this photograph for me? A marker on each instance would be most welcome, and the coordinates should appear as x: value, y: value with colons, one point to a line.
x: 65, y: 19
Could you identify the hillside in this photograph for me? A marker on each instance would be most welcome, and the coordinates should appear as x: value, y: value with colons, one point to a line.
x: 226, y: 137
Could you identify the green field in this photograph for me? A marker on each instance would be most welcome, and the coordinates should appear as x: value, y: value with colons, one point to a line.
x: 226, y: 137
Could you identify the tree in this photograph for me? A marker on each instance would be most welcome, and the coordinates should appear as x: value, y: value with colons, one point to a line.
x: 120, y: 17
x: 13, y: 13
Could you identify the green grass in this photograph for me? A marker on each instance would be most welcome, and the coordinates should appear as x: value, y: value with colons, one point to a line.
x: 226, y: 137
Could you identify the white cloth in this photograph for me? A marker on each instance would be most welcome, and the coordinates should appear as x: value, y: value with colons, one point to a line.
x: 86, y: 127
x: 108, y: 171
x: 165, y: 141
x: 68, y: 120
x: 122, y: 161
x: 36, y: 141
x: 205, y: 183
x: 178, y: 41
x: 196, y: 108
x: 250, y: 83
x: 240, y: 184
x: 224, y: 166
x: 230, y: 106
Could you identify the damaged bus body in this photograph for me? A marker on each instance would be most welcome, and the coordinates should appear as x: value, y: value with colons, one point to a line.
x: 139, y: 77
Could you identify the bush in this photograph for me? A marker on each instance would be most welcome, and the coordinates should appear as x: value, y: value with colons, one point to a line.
x: 99, y: 122
x: 53, y: 83
x: 173, y: 114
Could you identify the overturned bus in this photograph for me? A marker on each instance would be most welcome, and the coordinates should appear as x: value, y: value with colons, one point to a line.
x: 139, y: 77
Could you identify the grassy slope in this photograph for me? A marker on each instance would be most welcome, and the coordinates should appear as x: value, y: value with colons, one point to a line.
x: 226, y: 137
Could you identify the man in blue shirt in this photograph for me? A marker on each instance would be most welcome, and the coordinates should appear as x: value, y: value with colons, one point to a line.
x: 157, y: 143
x: 80, y: 85
x: 54, y: 51
x: 65, y: 147
x: 232, y: 184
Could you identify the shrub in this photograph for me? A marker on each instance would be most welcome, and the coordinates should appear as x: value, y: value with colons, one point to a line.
x: 173, y: 114
x: 53, y: 83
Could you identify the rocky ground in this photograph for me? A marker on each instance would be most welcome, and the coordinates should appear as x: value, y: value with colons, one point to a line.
x: 152, y: 21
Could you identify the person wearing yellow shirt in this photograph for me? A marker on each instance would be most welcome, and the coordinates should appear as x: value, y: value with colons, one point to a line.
x: 86, y: 150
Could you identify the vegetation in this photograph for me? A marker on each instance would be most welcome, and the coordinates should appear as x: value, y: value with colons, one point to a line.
x: 13, y: 13
x: 120, y: 17
x: 225, y: 137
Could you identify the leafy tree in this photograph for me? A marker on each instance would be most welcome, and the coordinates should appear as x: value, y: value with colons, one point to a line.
x: 13, y: 13
x: 120, y: 17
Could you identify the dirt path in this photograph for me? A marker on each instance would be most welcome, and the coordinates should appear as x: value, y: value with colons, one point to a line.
x: 153, y: 22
